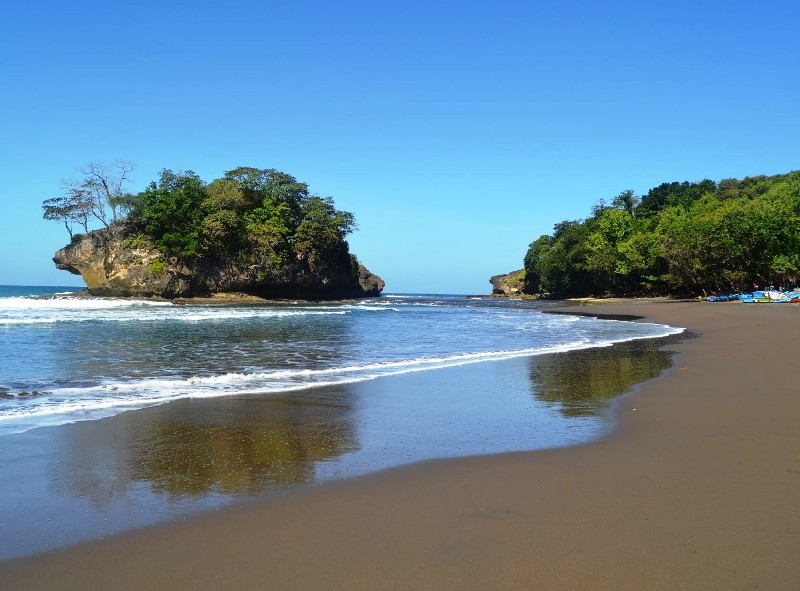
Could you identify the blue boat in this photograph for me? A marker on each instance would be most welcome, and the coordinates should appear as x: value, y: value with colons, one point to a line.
x: 760, y: 297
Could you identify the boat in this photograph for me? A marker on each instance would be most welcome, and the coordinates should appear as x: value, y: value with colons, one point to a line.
x: 770, y: 296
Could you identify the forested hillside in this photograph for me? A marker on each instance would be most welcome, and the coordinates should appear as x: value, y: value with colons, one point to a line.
x: 683, y: 238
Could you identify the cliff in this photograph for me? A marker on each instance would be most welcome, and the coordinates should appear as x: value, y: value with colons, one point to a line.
x: 118, y: 262
x: 509, y: 285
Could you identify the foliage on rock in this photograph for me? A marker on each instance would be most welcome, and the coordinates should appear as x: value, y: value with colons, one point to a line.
x: 253, y: 230
x: 509, y: 285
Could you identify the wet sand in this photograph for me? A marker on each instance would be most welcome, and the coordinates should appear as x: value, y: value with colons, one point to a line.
x: 698, y: 488
x: 72, y: 483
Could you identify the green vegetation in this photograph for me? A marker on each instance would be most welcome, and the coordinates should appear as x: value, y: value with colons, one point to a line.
x: 136, y: 240
x: 157, y: 266
x: 257, y: 218
x: 680, y: 238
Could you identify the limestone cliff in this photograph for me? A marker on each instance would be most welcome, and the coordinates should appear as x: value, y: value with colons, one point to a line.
x: 509, y: 285
x: 119, y: 262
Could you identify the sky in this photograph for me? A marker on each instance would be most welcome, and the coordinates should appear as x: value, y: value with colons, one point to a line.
x: 456, y: 132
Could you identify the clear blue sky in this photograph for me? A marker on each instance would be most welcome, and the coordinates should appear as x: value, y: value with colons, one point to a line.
x: 456, y: 132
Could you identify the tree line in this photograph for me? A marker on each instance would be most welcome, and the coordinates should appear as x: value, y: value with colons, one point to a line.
x: 681, y: 238
x: 249, y: 216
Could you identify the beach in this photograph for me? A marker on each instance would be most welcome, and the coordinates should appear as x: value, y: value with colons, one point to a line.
x: 697, y: 487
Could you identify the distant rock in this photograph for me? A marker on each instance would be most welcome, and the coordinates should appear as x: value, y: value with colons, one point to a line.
x: 509, y: 285
x: 119, y: 262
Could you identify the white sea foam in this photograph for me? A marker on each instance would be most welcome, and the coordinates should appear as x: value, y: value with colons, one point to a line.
x: 56, y: 310
x: 389, y: 336
x: 72, y: 303
x: 85, y: 403
x: 66, y: 405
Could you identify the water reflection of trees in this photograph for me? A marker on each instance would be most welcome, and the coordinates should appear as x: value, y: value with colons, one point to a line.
x: 257, y: 444
x: 580, y: 383
x: 241, y: 448
x: 195, y: 448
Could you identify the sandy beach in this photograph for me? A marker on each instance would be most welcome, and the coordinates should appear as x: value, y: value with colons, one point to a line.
x: 697, y: 488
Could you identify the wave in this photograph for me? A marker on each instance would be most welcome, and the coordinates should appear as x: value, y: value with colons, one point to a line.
x: 65, y: 302
x: 148, y: 392
x: 70, y: 404
x: 431, y: 332
x: 21, y: 311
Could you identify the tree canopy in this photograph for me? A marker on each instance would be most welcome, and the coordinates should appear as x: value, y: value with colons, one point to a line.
x: 679, y: 238
x: 263, y: 218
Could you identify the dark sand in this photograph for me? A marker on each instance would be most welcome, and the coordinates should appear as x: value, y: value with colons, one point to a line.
x: 698, y: 488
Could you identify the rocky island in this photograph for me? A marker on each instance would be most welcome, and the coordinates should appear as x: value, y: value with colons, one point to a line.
x: 256, y: 232
x: 509, y: 284
x: 112, y: 264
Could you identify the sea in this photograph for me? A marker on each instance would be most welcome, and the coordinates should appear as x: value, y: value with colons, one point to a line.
x: 70, y: 358
x: 116, y: 414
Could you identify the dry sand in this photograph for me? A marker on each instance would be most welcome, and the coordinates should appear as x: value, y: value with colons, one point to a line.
x: 698, y: 488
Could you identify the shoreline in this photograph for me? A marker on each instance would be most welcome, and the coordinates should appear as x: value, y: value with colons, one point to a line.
x: 697, y: 487
x: 84, y: 481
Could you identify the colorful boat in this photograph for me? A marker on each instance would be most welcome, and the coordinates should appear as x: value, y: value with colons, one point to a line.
x: 770, y: 297
x: 760, y: 297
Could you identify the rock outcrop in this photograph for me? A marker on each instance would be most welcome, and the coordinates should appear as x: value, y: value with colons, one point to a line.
x: 509, y: 285
x: 118, y: 262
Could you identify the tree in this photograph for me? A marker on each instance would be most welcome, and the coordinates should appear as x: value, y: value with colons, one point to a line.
x: 60, y: 209
x: 670, y: 194
x: 626, y: 200
x: 105, y: 183
x: 604, y: 256
x: 535, y: 260
x: 172, y: 212
x: 556, y: 264
x: 320, y: 236
x: 99, y: 195
x: 223, y: 225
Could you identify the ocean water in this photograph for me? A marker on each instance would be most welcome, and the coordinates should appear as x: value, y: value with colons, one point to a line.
x: 68, y: 358
x: 240, y: 402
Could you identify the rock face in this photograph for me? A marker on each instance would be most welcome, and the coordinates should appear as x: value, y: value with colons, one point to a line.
x: 509, y: 285
x: 118, y: 262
